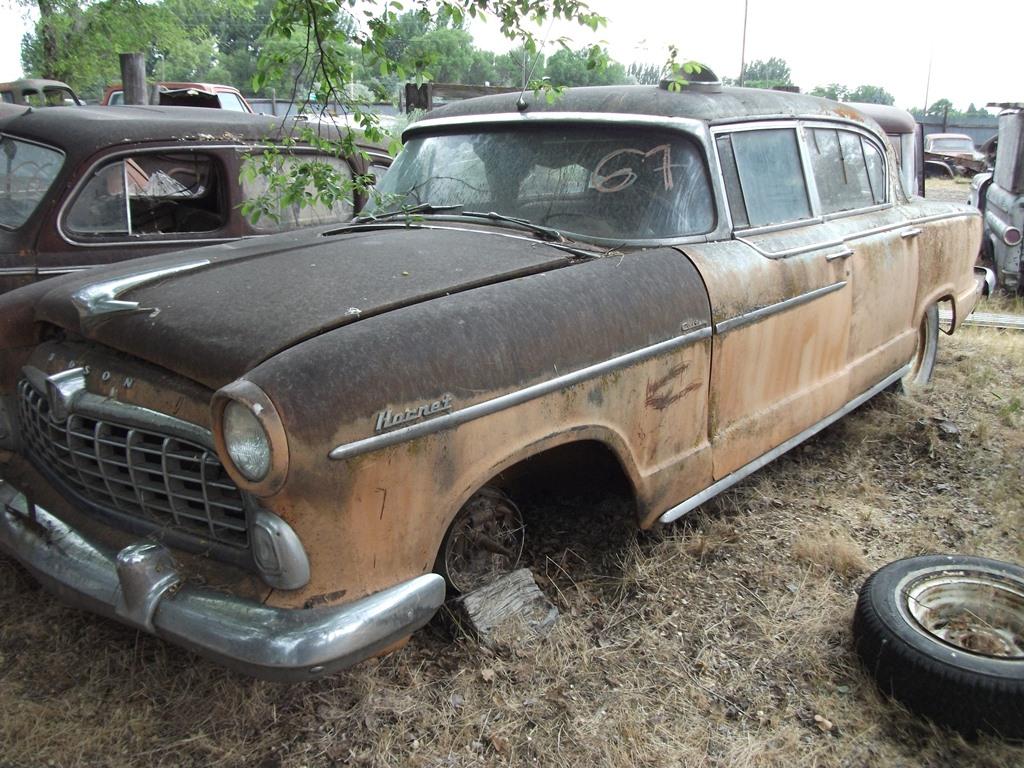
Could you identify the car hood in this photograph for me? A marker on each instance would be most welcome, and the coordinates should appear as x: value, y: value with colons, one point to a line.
x: 214, y: 313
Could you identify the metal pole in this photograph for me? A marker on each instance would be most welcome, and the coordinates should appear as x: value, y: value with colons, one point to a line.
x: 133, y: 77
x: 743, y: 47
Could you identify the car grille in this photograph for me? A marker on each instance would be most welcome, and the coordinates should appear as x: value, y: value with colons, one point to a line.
x: 135, y: 471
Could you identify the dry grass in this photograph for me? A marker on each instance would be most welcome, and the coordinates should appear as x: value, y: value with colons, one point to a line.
x: 714, y: 642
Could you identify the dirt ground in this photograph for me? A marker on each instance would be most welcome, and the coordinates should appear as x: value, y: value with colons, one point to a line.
x: 712, y: 642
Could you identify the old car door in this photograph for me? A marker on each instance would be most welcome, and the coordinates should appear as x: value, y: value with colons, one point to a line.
x: 855, y: 192
x: 780, y: 300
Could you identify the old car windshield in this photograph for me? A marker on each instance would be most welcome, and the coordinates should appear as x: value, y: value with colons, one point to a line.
x: 952, y: 145
x: 599, y: 181
x: 26, y: 173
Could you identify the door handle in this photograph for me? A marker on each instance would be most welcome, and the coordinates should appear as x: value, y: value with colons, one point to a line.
x: 845, y: 253
x: 906, y: 234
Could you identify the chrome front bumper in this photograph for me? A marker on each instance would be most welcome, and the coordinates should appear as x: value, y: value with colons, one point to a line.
x: 141, y: 587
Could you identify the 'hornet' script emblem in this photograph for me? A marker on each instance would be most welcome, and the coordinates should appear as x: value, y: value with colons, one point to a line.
x: 387, y: 419
x: 96, y: 300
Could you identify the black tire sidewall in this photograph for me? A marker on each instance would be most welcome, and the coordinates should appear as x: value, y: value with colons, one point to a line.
x: 884, y: 589
x: 969, y: 692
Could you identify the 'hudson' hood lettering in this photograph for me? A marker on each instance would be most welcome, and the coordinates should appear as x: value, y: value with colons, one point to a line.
x: 387, y: 418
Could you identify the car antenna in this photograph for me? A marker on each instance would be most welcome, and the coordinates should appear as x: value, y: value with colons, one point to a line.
x: 521, y: 104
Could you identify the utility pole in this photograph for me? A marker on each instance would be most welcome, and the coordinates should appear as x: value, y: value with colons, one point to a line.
x: 133, y: 78
x: 743, y: 46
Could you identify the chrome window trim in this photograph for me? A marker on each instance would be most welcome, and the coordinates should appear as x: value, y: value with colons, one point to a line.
x: 781, y: 306
x: 17, y: 271
x: 697, y: 130
x: 674, y: 513
x: 800, y: 125
x: 517, y: 397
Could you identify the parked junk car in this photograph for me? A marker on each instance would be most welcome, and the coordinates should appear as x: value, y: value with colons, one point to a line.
x: 35, y: 92
x: 278, y: 452
x: 949, y: 155
x: 211, y: 95
x: 999, y: 195
x: 91, y: 186
x: 904, y: 134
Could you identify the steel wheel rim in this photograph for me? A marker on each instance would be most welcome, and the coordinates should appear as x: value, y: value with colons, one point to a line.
x: 485, y: 540
x: 973, y: 611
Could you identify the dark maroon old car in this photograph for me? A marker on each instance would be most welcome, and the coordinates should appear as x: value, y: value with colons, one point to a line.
x: 92, y: 186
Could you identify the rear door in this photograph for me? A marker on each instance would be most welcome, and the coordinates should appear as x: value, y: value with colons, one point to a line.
x: 780, y: 298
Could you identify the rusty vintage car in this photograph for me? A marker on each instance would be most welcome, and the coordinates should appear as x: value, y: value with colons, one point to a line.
x: 283, y: 454
x: 948, y: 155
x: 91, y: 186
x: 999, y: 195
x: 36, y: 92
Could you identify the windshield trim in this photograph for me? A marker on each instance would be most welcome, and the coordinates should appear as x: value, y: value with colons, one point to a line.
x: 44, y: 145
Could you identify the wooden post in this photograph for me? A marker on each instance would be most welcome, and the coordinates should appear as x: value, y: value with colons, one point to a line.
x: 133, y: 77
x: 418, y: 97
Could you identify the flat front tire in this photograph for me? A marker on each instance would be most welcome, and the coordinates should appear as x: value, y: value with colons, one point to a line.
x: 944, y: 635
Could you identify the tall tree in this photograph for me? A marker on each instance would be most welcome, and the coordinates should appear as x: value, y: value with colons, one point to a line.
x: 766, y: 73
x: 870, y: 94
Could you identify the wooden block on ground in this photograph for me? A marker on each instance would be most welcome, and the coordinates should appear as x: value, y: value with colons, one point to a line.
x: 509, y: 607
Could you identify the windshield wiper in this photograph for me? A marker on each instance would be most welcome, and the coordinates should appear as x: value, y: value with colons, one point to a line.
x: 425, y: 208
x: 548, y: 233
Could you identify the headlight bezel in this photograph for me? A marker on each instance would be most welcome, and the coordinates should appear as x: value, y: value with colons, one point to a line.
x: 261, y: 407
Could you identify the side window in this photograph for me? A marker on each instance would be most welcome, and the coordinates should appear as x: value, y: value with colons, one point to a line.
x: 8, y: 97
x: 150, y: 194
x: 116, y: 99
x: 768, y: 177
x: 231, y: 102
x: 848, y: 170
x: 291, y: 215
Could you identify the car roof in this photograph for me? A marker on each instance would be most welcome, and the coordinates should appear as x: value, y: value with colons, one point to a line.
x: 712, y: 106
x: 34, y: 82
x: 891, y: 119
x: 85, y: 130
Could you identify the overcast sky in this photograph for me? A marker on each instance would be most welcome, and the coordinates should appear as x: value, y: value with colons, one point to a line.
x: 876, y: 42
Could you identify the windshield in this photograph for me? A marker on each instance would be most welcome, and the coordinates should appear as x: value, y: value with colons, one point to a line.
x: 599, y: 181
x: 952, y: 145
x: 26, y: 173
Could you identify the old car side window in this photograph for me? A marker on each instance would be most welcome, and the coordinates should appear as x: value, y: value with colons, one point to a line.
x: 770, y: 176
x: 733, y: 192
x: 26, y: 173
x: 150, y: 194
x: 283, y: 216
x: 840, y: 170
x: 876, y: 170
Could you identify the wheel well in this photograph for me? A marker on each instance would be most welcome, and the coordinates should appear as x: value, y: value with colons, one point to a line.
x: 580, y: 468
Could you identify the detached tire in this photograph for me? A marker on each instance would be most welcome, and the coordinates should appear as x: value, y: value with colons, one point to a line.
x: 944, y: 635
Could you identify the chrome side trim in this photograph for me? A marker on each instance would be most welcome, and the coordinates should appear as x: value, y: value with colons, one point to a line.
x: 68, y: 269
x: 759, y: 314
x: 487, y: 407
x: 137, y: 586
x: 17, y: 270
x: 748, y: 469
x: 99, y: 299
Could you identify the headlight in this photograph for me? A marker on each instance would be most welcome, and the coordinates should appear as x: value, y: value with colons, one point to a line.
x: 250, y: 438
x: 246, y: 441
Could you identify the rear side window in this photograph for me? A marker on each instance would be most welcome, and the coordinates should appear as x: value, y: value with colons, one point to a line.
x: 26, y: 173
x: 290, y: 215
x: 231, y: 102
x: 151, y: 195
x: 848, y: 170
x: 768, y: 178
